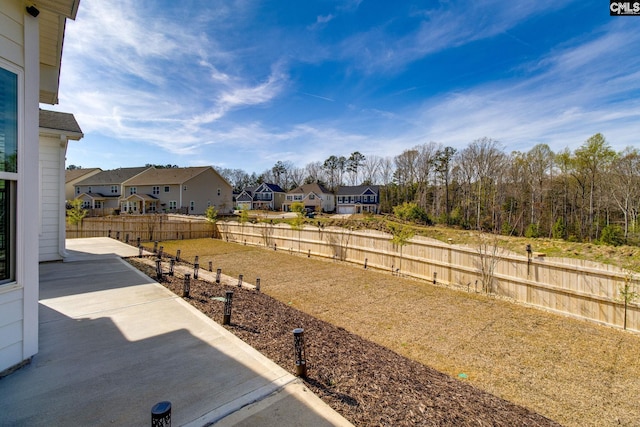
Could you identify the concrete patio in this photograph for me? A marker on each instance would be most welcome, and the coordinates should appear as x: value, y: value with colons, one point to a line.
x: 113, y: 343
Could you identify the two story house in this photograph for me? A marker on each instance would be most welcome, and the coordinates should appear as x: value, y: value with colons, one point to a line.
x: 185, y: 190
x: 314, y: 196
x: 263, y: 197
x: 101, y: 192
x: 74, y: 176
x: 358, y: 199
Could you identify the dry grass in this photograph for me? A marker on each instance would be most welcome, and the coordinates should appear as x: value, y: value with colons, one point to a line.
x: 571, y: 371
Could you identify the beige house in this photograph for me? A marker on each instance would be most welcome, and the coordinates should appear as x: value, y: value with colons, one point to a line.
x: 31, y: 40
x: 73, y: 177
x: 183, y: 190
x: 100, y: 193
x: 314, y: 196
x: 56, y: 130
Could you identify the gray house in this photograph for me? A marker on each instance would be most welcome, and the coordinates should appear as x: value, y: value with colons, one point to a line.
x: 358, y: 199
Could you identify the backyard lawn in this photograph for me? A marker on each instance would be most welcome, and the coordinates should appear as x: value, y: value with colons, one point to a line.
x: 571, y: 371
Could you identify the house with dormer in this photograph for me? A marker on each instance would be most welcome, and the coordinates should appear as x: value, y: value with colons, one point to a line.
x: 314, y: 196
x: 265, y: 197
x: 244, y: 200
x: 358, y: 199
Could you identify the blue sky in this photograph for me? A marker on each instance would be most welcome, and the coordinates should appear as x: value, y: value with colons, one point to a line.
x: 243, y: 84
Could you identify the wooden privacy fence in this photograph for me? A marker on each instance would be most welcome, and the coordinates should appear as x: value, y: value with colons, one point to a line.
x: 146, y: 227
x: 578, y: 288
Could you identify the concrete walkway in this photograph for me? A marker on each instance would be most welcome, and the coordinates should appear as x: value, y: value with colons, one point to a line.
x: 113, y: 343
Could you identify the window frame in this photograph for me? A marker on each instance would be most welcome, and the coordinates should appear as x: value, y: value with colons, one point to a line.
x: 12, y: 181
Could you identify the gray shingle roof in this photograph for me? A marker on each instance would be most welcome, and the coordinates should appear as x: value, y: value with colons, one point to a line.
x: 114, y: 176
x: 59, y: 121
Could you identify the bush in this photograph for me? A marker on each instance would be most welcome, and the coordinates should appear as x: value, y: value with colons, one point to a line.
x: 558, y: 230
x: 412, y: 212
x: 532, y: 231
x: 612, y: 235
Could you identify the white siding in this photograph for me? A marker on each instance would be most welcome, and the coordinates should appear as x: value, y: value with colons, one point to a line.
x: 19, y: 50
x: 51, y: 198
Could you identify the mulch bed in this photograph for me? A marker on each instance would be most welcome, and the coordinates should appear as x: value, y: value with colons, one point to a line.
x: 366, y: 383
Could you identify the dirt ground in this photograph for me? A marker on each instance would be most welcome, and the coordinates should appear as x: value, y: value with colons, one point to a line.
x: 574, y: 372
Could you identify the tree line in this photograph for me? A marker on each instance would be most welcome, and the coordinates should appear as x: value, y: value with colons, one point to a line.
x: 588, y: 194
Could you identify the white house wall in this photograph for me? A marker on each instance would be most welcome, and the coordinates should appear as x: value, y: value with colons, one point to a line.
x: 19, y: 52
x: 52, y: 151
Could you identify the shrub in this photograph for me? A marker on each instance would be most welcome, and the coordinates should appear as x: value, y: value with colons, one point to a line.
x: 532, y: 231
x: 412, y: 212
x: 558, y: 231
x: 612, y: 235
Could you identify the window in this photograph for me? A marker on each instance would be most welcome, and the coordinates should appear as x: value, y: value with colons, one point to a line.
x: 114, y: 189
x: 184, y: 188
x: 155, y: 190
x: 77, y: 190
x: 219, y: 192
x: 8, y: 168
x: 133, y: 190
x: 97, y: 204
x: 173, y: 204
x: 89, y: 190
x: 192, y: 205
x: 166, y: 188
x: 312, y: 196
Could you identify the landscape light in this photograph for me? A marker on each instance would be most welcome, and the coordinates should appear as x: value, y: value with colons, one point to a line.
x: 226, y: 320
x: 298, y: 346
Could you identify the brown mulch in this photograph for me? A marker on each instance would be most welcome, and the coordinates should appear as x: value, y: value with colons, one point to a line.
x: 366, y: 383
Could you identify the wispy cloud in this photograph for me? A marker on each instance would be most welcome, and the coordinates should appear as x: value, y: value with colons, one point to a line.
x: 450, y: 25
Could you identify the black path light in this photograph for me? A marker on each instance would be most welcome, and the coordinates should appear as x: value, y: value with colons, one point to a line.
x: 257, y: 284
x: 299, y: 353
x: 210, y: 265
x: 161, y: 414
x: 218, y: 274
x: 160, y: 251
x: 240, y: 278
x: 117, y: 235
x: 159, y: 269
x: 126, y: 238
x: 197, y: 260
x: 138, y: 241
x: 366, y: 260
x: 178, y: 255
x: 155, y: 247
x: 172, y: 264
x: 228, y: 300
x: 139, y: 251
x: 196, y: 267
x: 187, y: 286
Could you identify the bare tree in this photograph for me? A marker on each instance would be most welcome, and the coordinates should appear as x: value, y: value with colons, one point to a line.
x: 489, y: 255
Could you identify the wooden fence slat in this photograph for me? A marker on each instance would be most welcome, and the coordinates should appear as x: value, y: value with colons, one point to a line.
x: 582, y: 289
